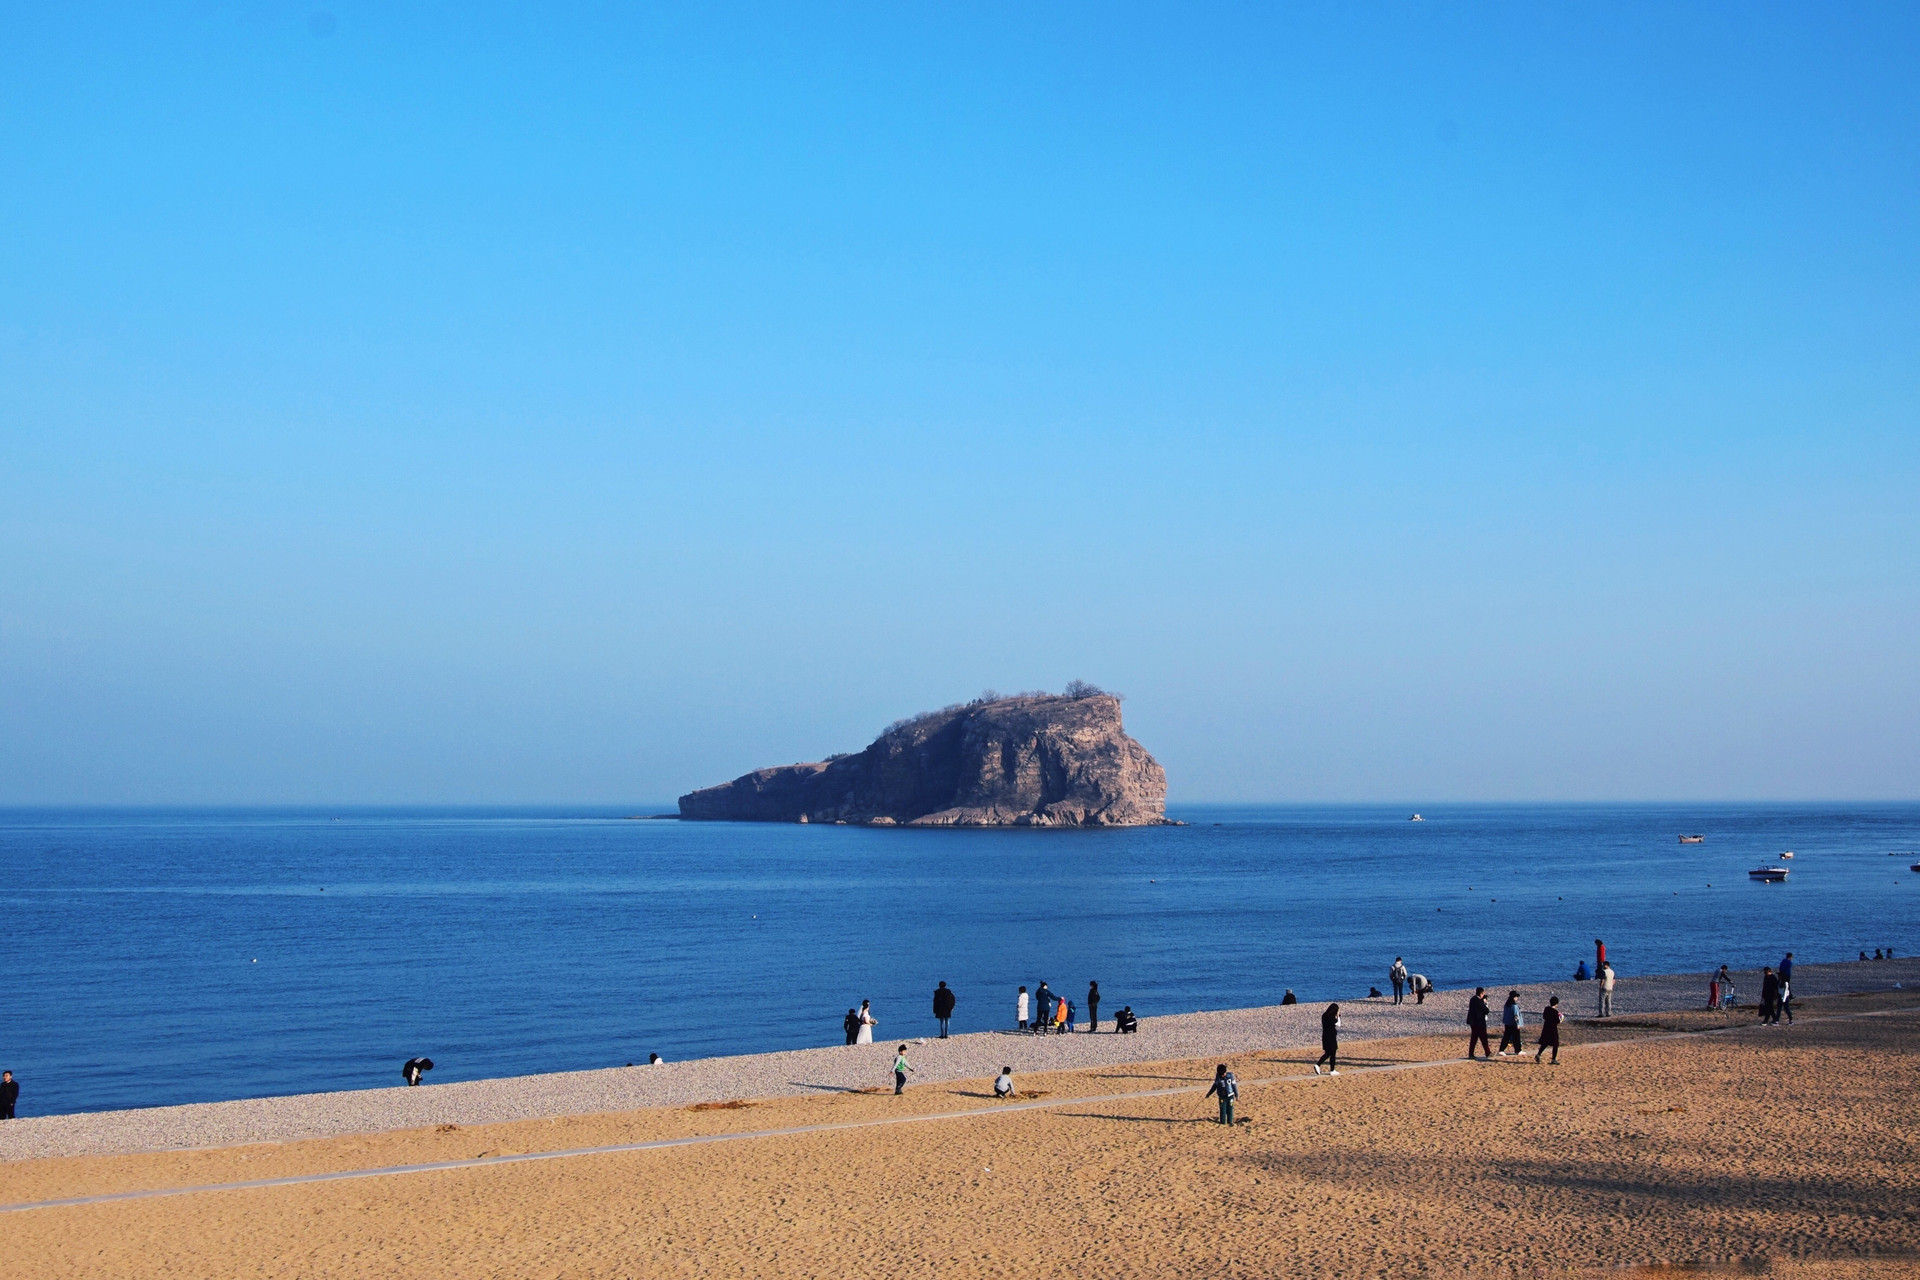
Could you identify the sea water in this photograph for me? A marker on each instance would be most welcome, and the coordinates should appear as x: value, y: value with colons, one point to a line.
x: 179, y: 956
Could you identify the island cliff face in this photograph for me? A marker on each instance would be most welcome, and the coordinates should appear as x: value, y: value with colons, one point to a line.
x: 1039, y: 761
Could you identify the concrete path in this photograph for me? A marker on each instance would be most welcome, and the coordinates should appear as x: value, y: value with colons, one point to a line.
x: 806, y: 1071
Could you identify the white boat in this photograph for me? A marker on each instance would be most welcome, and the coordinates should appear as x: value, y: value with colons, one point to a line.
x: 1772, y: 874
x: 1693, y: 839
x: 1416, y: 818
x: 1788, y: 854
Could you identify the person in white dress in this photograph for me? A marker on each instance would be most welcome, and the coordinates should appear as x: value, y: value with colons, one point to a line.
x: 867, y: 1023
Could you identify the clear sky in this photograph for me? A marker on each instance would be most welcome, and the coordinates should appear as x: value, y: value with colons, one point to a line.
x: 552, y: 403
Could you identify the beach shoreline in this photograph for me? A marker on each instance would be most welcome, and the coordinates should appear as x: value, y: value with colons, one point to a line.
x: 843, y: 1069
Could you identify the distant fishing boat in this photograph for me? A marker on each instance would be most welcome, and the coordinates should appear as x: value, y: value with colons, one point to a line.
x: 1914, y: 867
x: 1773, y: 875
x: 1787, y: 854
x: 1416, y: 818
x: 1693, y: 839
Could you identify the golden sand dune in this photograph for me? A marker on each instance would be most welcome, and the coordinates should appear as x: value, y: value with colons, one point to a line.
x: 1788, y: 1152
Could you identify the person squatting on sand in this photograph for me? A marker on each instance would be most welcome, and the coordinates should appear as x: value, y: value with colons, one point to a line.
x: 1398, y: 977
x: 1550, y: 1019
x: 1511, y: 1022
x: 1606, y: 989
x: 1003, y: 1083
x: 1477, y: 1012
x: 900, y: 1068
x: 1329, y: 1041
x: 942, y: 1007
x: 1226, y: 1088
x: 1124, y: 1022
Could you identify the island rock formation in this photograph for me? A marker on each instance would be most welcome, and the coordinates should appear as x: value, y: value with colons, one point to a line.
x: 1034, y: 760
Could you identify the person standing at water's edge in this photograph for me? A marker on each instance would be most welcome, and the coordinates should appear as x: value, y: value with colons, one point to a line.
x: 1550, y: 1019
x: 1225, y: 1088
x: 1398, y: 976
x: 1329, y: 1041
x: 1606, y: 989
x: 1021, y: 1006
x: 1477, y: 1012
x: 1093, y: 1007
x: 9, y: 1094
x: 867, y: 1022
x: 851, y: 1025
x: 942, y: 1007
x: 900, y: 1068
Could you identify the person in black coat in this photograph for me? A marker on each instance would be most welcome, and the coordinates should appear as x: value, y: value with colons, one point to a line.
x: 9, y: 1094
x: 942, y: 1007
x: 1329, y: 1041
x: 1769, y: 995
x: 1477, y: 1011
x: 1042, y: 1008
x: 1093, y: 1006
x: 851, y: 1025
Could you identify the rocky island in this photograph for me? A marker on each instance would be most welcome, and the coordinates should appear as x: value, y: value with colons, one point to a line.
x: 1038, y: 760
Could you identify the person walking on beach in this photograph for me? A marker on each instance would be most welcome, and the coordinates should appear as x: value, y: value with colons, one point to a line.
x: 1398, y: 977
x: 1225, y: 1088
x: 9, y: 1094
x: 1003, y: 1084
x: 1769, y: 996
x: 1021, y: 1005
x: 851, y: 1025
x: 1093, y: 1007
x: 1477, y: 1013
x: 1606, y: 990
x: 1786, y: 968
x: 1550, y: 1019
x: 1329, y: 1041
x: 1511, y: 1021
x: 865, y: 1022
x: 900, y: 1068
x: 942, y: 1007
x: 1785, y: 1007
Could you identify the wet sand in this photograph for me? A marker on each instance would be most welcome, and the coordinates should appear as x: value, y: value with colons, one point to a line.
x: 1788, y: 1148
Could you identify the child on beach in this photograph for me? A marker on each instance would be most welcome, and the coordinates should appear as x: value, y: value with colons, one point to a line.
x: 900, y: 1068
x: 1003, y: 1083
x: 1226, y: 1088
x: 1550, y: 1019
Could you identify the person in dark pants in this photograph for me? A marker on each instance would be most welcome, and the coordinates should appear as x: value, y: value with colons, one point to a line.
x: 1093, y: 1007
x: 1398, y: 976
x: 900, y: 1068
x: 851, y: 1023
x: 942, y: 1007
x: 1329, y: 1041
x: 1769, y: 996
x: 413, y: 1068
x: 1289, y: 998
x: 1042, y: 1008
x: 1477, y: 1012
x: 1511, y: 1020
x: 1550, y: 1019
x: 1225, y: 1088
x: 9, y: 1094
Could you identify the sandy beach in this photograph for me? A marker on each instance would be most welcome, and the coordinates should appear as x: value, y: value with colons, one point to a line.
x: 1671, y: 1137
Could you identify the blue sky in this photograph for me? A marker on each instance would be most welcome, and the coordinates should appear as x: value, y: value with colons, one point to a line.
x: 473, y: 403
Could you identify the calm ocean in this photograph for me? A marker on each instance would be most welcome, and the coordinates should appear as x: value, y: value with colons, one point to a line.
x: 175, y: 956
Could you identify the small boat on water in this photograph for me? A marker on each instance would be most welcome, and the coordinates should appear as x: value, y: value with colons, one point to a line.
x: 1693, y: 839
x: 1773, y: 875
x: 1914, y: 867
x: 1416, y: 818
x: 1788, y: 854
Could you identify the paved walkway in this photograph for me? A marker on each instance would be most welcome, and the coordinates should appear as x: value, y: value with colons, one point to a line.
x: 806, y: 1071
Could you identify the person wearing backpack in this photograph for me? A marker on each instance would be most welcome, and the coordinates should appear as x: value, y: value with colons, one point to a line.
x: 1398, y: 976
x: 1226, y: 1088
